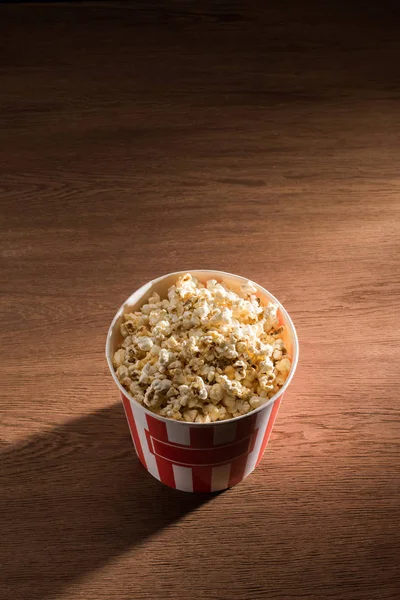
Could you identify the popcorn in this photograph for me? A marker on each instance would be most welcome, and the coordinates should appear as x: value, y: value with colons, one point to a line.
x: 283, y: 365
x: 136, y: 391
x: 278, y: 344
x: 271, y: 320
x: 190, y: 415
x: 199, y: 387
x: 266, y: 366
x: 145, y: 343
x: 216, y: 393
x: 277, y: 354
x: 119, y: 357
x: 202, y: 309
x: 122, y: 372
x: 239, y: 368
x: 203, y: 419
x: 255, y: 401
x: 212, y: 411
x: 248, y: 288
x: 156, y: 316
x: 162, y: 329
x: 242, y: 406
x: 204, y: 353
x: 165, y: 357
x: 264, y: 383
x: 229, y: 402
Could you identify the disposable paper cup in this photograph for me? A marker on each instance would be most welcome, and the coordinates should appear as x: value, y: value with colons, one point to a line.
x: 197, y: 457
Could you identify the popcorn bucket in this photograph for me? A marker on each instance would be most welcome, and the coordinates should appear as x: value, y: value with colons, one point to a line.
x: 197, y: 457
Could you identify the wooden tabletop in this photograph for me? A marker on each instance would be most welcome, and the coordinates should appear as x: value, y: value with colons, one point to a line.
x: 257, y: 138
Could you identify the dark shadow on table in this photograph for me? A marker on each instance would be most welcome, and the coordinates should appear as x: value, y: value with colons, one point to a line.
x: 74, y: 498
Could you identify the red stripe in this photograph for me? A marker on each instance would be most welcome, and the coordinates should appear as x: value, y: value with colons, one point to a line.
x: 158, y: 429
x: 202, y: 479
x: 246, y: 426
x: 133, y: 429
x: 201, y: 456
x: 202, y: 437
x: 237, y: 470
x: 166, y: 471
x: 269, y: 427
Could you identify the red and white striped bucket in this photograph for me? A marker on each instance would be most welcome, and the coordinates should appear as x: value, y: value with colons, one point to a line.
x: 196, y: 457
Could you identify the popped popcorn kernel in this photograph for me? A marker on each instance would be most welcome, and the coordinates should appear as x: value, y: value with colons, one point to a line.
x: 283, y: 365
x: 204, y: 353
x: 145, y: 343
x: 119, y: 358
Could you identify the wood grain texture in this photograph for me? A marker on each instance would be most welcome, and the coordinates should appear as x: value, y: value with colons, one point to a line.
x: 257, y: 138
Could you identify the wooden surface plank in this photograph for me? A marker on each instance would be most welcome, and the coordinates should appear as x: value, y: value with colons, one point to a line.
x: 257, y: 138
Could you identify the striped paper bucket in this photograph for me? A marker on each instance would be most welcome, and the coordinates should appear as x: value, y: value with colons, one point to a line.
x: 196, y: 457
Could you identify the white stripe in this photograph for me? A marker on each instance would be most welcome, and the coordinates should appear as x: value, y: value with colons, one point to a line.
x: 183, y: 478
x: 141, y: 425
x: 178, y: 433
x: 224, y: 433
x: 220, y: 477
x: 261, y: 425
